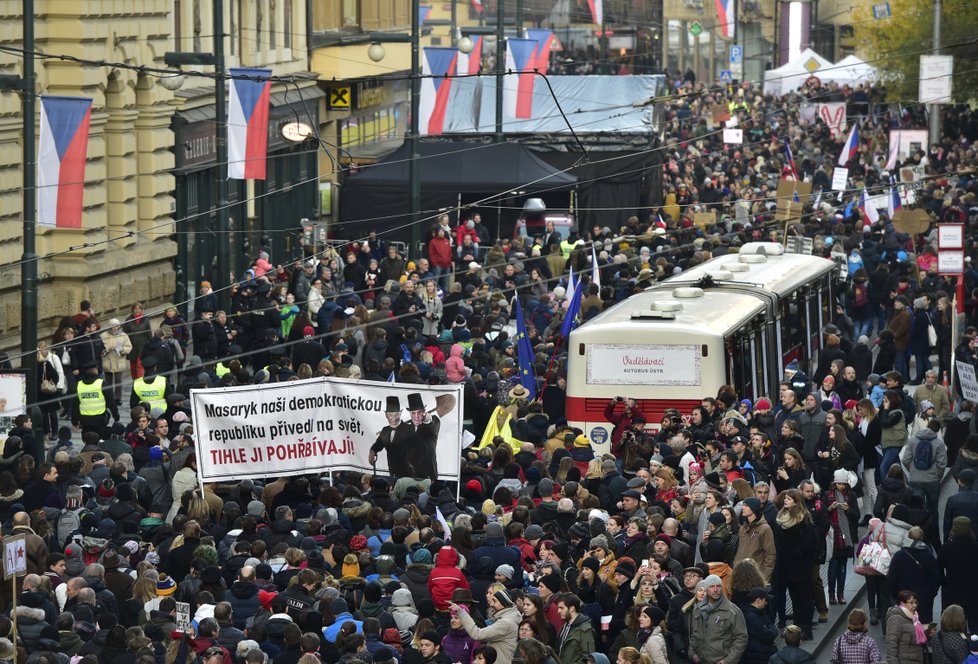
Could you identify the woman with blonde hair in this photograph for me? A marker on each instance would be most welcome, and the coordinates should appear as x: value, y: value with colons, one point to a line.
x: 629, y: 655
x: 565, y: 465
x: 796, y: 542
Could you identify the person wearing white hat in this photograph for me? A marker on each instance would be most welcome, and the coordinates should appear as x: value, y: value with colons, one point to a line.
x: 718, y: 632
x: 115, y: 362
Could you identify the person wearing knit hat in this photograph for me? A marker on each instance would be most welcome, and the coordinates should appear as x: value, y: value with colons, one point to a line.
x: 504, y: 573
x: 763, y: 405
x: 756, y: 538
x: 165, y: 586
x: 351, y: 566
x: 625, y: 569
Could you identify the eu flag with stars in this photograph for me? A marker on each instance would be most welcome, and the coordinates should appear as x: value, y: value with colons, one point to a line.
x: 524, y: 354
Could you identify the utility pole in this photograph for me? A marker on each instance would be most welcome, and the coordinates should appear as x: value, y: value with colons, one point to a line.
x: 934, y: 127
x: 500, y: 69
x: 414, y: 169
x: 28, y: 260
x: 224, y: 267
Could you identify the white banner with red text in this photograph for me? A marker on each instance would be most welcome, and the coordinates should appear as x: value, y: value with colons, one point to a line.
x: 325, y: 424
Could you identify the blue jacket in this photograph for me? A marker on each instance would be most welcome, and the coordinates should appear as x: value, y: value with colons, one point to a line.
x: 243, y: 597
x: 330, y: 633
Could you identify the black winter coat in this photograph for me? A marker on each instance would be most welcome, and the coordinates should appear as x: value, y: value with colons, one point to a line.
x: 915, y: 568
x: 959, y: 572
x: 795, y: 544
x: 963, y: 503
x: 761, y: 635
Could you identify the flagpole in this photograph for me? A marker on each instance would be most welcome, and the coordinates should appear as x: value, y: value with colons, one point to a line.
x: 28, y: 262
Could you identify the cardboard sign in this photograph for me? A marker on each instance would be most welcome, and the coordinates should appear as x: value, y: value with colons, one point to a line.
x: 704, y: 219
x: 911, y: 221
x: 792, y: 197
x: 833, y: 114
x: 840, y: 177
x: 966, y: 378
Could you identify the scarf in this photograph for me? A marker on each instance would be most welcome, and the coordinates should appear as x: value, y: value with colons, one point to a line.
x: 843, y: 535
x: 786, y: 519
x: 919, y: 632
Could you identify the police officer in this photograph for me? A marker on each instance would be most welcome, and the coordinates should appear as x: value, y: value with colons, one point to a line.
x: 151, y: 388
x: 95, y: 400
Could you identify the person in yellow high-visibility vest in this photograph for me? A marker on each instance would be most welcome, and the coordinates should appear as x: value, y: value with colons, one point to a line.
x: 95, y: 401
x: 151, y: 388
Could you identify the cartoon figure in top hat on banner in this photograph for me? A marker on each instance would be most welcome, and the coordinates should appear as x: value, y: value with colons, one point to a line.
x: 393, y: 438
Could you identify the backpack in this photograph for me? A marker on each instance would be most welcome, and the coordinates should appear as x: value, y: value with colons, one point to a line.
x: 923, y: 455
x: 68, y: 523
x: 860, y: 295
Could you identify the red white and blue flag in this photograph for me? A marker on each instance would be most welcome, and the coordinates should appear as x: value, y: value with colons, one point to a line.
x: 518, y: 85
x: 851, y: 146
x: 61, y: 157
x: 423, y: 12
x: 727, y: 18
x: 470, y: 63
x: 477, y: 6
x: 597, y: 11
x: 791, y: 159
x: 893, y: 201
x: 541, y: 54
x: 437, y: 66
x: 248, y: 123
x: 870, y: 213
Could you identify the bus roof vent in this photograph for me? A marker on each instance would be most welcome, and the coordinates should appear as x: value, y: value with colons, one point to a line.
x: 687, y: 292
x: 655, y: 315
x: 737, y: 267
x: 721, y: 275
x: 667, y: 305
x: 752, y: 258
x: 763, y: 249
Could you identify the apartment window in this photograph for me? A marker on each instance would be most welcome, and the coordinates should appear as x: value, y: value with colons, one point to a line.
x: 272, y: 37
x: 233, y: 29
x: 351, y: 13
x: 287, y: 25
x: 258, y: 17
x: 198, y: 26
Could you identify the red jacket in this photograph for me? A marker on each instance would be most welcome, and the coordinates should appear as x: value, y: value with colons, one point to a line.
x: 440, y: 252
x: 445, y: 578
x: 622, y: 422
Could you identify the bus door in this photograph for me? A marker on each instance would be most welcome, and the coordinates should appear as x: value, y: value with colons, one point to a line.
x: 745, y: 363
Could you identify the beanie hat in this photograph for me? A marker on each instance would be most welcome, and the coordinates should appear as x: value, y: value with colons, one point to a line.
x: 626, y: 568
x: 717, y: 518
x: 754, y: 504
x: 372, y: 592
x: 338, y: 606
x: 351, y: 565
x: 503, y: 597
x: 763, y: 404
x: 505, y: 570
x: 591, y: 563
x: 961, y: 526
x: 434, y: 637
x: 165, y: 586
x: 551, y: 581
x: 422, y: 556
x: 546, y: 488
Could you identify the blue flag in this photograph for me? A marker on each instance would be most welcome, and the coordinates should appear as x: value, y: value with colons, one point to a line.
x: 573, y: 309
x: 524, y: 354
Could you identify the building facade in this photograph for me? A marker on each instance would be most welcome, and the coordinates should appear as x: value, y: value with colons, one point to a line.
x: 123, y: 252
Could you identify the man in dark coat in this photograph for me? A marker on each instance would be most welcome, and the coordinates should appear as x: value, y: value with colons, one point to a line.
x: 761, y: 632
x: 421, y: 439
x: 308, y: 351
x: 963, y: 503
x: 958, y: 571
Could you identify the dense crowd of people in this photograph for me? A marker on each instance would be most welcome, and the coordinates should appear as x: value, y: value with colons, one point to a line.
x: 683, y: 544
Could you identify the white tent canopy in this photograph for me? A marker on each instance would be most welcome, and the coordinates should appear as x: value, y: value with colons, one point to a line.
x: 851, y: 71
x: 792, y: 75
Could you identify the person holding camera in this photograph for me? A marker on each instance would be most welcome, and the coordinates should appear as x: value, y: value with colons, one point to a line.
x: 629, y: 419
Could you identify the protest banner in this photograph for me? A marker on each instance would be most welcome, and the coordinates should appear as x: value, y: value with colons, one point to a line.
x: 967, y: 381
x: 325, y: 424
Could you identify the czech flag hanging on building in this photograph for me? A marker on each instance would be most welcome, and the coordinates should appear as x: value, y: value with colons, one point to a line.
x: 518, y: 86
x: 437, y: 66
x: 61, y: 157
x: 470, y: 63
x: 727, y: 18
x: 248, y: 123
x: 597, y: 11
x: 541, y: 54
